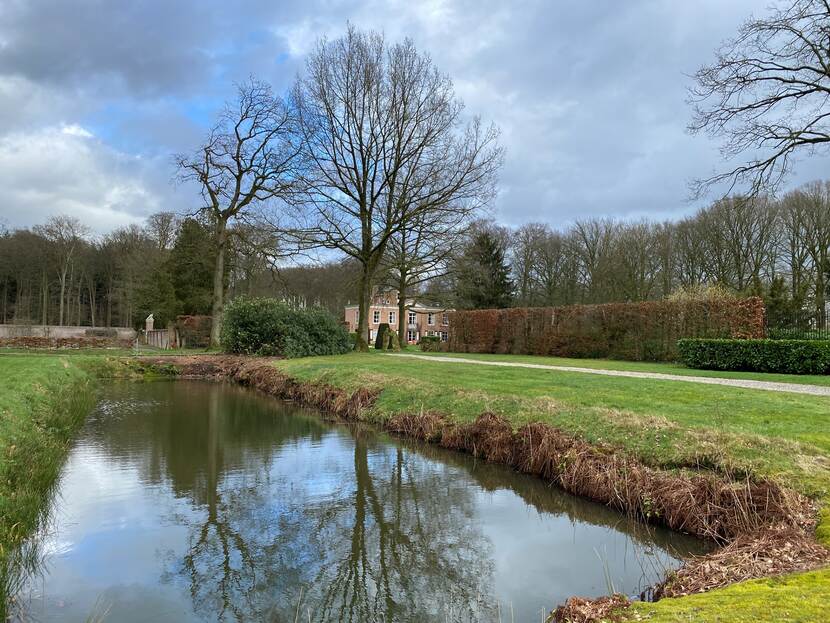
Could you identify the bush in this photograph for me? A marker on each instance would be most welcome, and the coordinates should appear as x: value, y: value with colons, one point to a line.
x: 430, y: 343
x: 786, y: 356
x: 262, y: 326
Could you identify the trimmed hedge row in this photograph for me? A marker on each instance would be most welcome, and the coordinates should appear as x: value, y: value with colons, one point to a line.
x: 645, y: 331
x: 785, y: 356
x: 263, y: 326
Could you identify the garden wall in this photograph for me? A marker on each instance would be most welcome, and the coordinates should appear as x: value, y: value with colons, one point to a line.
x: 645, y: 331
x: 53, y: 336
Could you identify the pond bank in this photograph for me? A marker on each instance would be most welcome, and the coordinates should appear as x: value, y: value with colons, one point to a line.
x: 765, y: 529
x: 43, y: 403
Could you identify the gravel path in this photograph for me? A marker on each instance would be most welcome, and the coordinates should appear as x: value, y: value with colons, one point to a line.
x: 793, y: 388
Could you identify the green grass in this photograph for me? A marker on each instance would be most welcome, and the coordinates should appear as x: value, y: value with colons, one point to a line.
x: 43, y: 401
x: 785, y: 437
x: 643, y: 366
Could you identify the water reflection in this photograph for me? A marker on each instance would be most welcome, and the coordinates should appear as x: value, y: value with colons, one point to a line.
x: 192, y: 501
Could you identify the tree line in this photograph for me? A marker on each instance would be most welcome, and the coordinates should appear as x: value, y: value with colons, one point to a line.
x: 775, y: 248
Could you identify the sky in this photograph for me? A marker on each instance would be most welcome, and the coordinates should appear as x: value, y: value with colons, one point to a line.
x: 590, y: 97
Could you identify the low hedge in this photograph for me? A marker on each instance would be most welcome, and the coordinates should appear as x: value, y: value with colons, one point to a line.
x: 785, y: 356
x: 263, y: 326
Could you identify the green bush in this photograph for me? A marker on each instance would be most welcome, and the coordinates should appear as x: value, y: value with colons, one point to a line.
x: 263, y: 326
x: 430, y: 343
x: 785, y: 356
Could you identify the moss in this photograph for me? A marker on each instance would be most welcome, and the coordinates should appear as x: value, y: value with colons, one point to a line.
x: 800, y: 597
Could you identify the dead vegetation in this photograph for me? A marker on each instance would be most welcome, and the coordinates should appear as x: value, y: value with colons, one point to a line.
x: 764, y: 529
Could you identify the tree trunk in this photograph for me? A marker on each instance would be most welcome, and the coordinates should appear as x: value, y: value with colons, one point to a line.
x: 218, y: 283
x: 403, y: 321
x: 62, y: 295
x: 362, y: 343
x: 45, y: 292
x: 109, y: 302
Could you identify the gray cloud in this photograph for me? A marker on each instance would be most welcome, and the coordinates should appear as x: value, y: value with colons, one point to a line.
x: 590, y: 97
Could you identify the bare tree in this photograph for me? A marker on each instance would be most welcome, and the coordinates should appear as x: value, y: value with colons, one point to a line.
x: 383, y: 134
x: 766, y: 94
x: 65, y: 235
x: 249, y: 159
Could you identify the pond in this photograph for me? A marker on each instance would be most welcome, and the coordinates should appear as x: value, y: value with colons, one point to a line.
x: 195, y: 501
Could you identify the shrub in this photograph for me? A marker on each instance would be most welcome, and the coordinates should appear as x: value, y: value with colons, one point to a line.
x: 194, y: 331
x: 785, y: 356
x: 262, y: 326
x: 430, y: 343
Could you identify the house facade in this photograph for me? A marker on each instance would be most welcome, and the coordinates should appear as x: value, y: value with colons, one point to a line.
x: 421, y: 320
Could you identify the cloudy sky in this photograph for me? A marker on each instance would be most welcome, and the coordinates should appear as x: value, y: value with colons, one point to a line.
x: 95, y: 95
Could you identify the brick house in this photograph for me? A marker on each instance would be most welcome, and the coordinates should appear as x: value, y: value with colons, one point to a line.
x: 421, y: 319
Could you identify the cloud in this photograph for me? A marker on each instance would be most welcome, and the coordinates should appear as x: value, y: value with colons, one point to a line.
x: 590, y: 97
x: 65, y: 170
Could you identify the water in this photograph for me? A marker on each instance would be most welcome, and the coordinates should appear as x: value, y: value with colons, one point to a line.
x: 191, y: 501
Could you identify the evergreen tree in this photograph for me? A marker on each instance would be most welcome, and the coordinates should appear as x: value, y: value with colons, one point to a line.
x: 191, y: 266
x: 779, y: 304
x: 483, y: 280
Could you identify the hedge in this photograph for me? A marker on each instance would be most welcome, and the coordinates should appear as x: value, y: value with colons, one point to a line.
x: 430, y: 343
x: 263, y: 326
x: 645, y: 331
x: 785, y: 356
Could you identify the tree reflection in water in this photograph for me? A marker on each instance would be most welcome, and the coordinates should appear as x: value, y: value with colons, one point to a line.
x: 290, y: 509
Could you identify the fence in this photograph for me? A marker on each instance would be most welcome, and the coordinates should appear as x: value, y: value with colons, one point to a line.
x: 801, y: 324
x: 637, y: 331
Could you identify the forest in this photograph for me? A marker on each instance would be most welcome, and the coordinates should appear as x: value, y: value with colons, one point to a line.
x: 59, y: 273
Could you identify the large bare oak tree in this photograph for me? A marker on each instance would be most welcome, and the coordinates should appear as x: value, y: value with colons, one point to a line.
x: 386, y: 144
x: 248, y: 161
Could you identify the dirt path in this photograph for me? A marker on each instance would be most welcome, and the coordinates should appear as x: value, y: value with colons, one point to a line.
x: 793, y: 388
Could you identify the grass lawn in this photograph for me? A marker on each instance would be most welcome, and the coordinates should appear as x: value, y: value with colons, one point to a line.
x: 785, y: 437
x: 642, y: 366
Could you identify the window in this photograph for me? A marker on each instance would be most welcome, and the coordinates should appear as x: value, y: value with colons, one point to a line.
x: 445, y: 318
x: 444, y: 336
x: 356, y: 316
x: 392, y: 318
x: 376, y: 316
x: 430, y: 319
x: 430, y: 333
x: 411, y: 336
x: 413, y: 318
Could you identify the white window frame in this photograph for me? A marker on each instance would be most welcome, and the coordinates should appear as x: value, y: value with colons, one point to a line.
x: 391, y: 319
x: 445, y: 319
x: 411, y: 335
x: 431, y: 319
x: 445, y: 336
x: 413, y: 317
x: 376, y: 317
